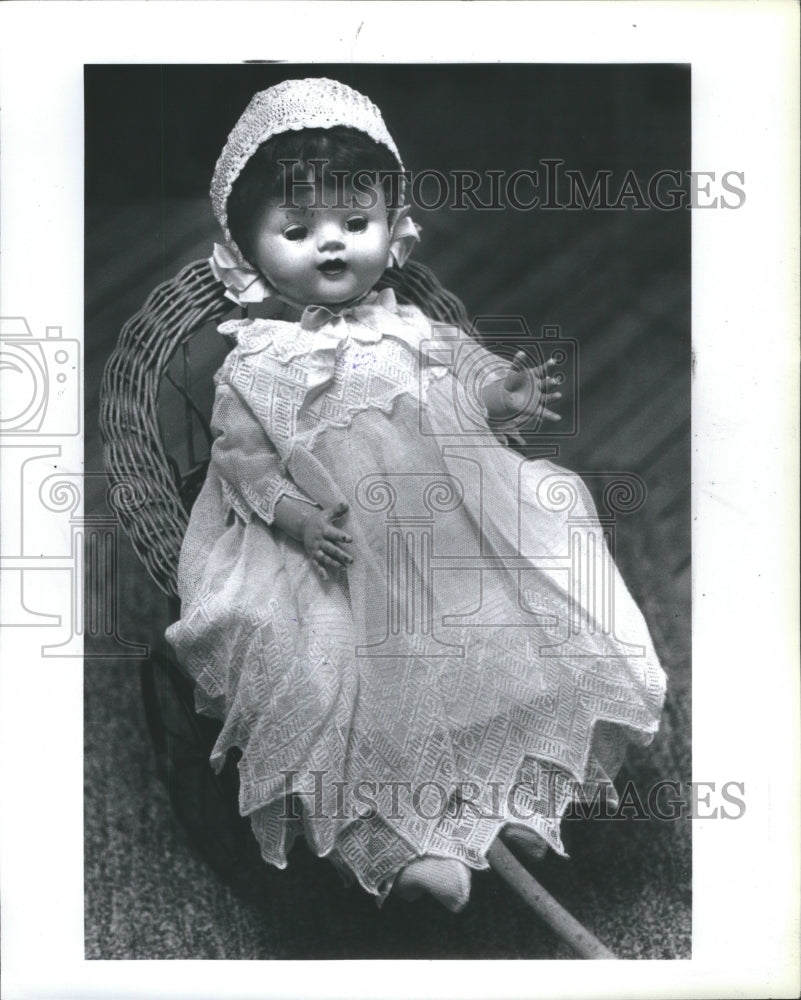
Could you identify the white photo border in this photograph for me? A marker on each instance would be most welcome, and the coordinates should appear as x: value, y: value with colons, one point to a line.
x: 744, y: 59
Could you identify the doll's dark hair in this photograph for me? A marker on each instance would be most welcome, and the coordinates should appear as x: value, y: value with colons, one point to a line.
x: 264, y: 176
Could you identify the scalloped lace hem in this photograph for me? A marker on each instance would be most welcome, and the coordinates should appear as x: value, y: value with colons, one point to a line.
x: 395, y: 848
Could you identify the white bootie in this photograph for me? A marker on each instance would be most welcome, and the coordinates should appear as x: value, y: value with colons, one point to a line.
x: 446, y: 879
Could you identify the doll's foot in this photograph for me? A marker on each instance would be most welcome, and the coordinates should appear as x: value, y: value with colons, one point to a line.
x: 524, y: 840
x: 446, y: 879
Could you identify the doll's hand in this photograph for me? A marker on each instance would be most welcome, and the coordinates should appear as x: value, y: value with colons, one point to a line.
x: 528, y: 391
x: 320, y: 537
x: 524, y: 395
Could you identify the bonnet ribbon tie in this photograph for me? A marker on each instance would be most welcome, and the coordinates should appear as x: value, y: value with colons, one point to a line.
x: 243, y: 284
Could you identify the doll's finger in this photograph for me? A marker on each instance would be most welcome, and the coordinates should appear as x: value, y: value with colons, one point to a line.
x: 320, y: 571
x: 333, y: 549
x: 335, y: 552
x: 324, y: 559
x: 517, y: 438
x: 333, y: 534
x: 550, y: 415
x: 339, y: 510
x: 543, y: 369
x: 518, y: 361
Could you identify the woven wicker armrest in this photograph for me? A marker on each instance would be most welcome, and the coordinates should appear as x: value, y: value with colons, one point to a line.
x: 145, y: 486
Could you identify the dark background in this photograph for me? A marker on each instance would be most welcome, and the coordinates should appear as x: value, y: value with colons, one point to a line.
x: 159, y: 129
x: 617, y: 282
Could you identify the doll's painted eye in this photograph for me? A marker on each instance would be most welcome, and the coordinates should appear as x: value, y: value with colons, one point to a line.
x: 295, y: 233
x: 357, y: 224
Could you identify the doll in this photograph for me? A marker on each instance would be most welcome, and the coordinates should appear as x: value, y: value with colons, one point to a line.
x: 377, y: 608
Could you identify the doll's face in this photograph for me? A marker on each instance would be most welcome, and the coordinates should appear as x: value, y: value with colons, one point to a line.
x: 323, y: 255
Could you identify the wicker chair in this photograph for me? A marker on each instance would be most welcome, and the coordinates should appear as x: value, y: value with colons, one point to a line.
x: 155, y: 342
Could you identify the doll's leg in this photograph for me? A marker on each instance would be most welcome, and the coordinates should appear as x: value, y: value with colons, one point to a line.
x: 446, y: 879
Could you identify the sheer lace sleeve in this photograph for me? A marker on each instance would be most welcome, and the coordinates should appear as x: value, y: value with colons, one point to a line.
x: 251, y: 472
x: 473, y: 368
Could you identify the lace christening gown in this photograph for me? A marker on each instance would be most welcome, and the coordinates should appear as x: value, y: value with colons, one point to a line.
x: 480, y: 662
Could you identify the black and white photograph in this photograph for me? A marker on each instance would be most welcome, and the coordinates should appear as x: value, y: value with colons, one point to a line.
x: 411, y: 626
x: 381, y: 590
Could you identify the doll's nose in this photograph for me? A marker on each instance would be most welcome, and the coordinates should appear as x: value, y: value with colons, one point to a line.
x: 329, y: 238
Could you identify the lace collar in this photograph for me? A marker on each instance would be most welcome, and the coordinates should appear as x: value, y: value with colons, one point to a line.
x: 324, y: 331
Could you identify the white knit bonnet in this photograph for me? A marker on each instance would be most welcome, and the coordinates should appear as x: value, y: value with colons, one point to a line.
x: 289, y: 106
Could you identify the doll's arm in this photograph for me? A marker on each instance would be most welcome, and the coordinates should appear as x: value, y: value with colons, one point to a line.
x: 246, y: 460
x: 253, y: 481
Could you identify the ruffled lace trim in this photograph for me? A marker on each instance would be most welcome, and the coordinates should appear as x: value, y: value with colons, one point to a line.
x: 300, y: 383
x: 378, y: 317
x: 244, y: 501
x: 309, y: 437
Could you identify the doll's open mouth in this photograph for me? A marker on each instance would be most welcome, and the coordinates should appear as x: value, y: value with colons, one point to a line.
x: 332, y: 268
